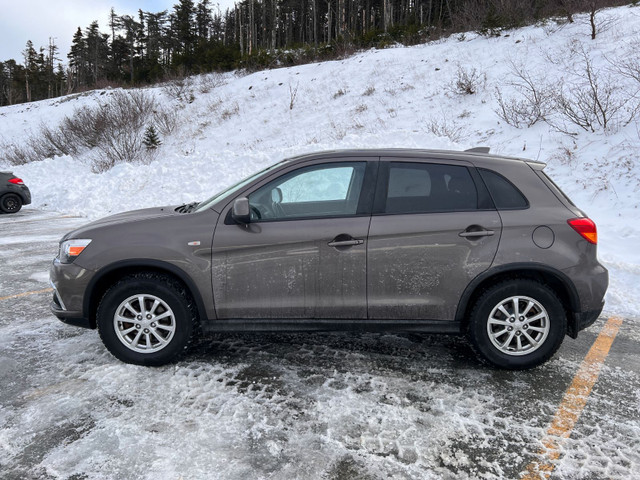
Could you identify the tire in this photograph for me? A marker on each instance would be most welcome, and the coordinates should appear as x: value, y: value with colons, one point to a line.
x: 540, y: 324
x: 10, y: 203
x: 157, y: 334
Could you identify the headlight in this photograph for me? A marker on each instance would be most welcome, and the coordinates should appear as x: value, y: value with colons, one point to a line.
x: 70, y: 249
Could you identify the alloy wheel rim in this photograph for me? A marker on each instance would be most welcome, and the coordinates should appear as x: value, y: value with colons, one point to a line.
x: 144, y: 323
x: 11, y: 204
x: 518, y: 325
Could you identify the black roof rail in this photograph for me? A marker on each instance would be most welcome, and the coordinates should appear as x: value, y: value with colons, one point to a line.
x: 478, y: 150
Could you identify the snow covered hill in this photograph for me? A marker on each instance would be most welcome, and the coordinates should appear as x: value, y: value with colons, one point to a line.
x: 231, y: 125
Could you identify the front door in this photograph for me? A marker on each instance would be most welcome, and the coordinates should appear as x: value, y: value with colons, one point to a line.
x: 303, y: 255
x: 431, y: 233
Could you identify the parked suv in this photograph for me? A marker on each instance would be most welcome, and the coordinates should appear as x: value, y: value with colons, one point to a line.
x: 364, y: 240
x: 13, y: 193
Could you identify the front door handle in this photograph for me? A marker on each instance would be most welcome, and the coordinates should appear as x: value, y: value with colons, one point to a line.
x: 478, y: 233
x: 344, y: 240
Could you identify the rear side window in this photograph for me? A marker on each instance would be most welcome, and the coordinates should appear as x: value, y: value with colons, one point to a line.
x: 426, y: 188
x: 504, y: 193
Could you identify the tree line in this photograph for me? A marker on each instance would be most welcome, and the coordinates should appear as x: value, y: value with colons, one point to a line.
x: 195, y: 37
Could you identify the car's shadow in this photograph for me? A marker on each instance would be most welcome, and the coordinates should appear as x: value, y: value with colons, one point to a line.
x: 263, y: 358
x: 340, y: 350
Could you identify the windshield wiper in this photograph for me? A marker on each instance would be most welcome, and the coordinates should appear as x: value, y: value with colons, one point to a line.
x: 187, y: 207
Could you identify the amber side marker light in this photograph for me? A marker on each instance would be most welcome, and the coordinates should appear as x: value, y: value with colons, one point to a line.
x: 586, y: 228
x: 70, y: 249
x: 75, y: 251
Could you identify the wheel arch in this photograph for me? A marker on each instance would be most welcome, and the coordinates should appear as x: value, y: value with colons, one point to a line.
x: 20, y: 195
x: 558, y: 281
x: 110, y: 274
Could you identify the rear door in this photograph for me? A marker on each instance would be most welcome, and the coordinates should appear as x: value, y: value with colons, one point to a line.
x: 433, y: 229
x: 304, y: 253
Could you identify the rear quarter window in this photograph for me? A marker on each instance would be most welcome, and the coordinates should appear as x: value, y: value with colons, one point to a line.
x: 505, y: 194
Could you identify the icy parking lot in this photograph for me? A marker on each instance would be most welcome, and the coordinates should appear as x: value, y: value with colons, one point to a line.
x: 289, y: 405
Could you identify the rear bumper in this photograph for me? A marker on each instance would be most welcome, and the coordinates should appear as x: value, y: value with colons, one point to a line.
x: 590, y: 281
x: 582, y: 320
x: 26, y: 195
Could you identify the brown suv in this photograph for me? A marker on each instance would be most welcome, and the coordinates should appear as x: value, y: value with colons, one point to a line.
x: 365, y: 240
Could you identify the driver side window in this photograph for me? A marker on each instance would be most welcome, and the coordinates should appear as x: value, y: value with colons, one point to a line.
x: 325, y: 190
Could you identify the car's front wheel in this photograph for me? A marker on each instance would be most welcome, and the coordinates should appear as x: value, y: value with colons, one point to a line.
x: 147, y: 319
x: 517, y: 324
x: 10, y: 203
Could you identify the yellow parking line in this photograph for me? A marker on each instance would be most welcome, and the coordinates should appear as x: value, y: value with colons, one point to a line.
x: 34, y: 292
x: 573, y: 402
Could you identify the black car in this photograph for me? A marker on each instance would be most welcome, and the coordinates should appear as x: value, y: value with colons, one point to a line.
x: 13, y: 193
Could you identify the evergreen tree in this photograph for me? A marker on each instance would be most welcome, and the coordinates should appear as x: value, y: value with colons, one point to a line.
x: 77, y: 59
x: 132, y: 30
x: 204, y: 20
x: 151, y: 138
x: 97, y: 53
x: 30, y: 68
x: 183, y: 32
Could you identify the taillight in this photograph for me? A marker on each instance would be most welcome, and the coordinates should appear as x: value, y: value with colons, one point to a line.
x: 586, y: 228
x: 16, y: 181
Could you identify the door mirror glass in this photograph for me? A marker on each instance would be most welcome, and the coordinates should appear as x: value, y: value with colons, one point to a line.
x: 276, y: 195
x: 241, y: 212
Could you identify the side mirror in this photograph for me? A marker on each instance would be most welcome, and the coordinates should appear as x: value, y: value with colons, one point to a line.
x: 240, y: 211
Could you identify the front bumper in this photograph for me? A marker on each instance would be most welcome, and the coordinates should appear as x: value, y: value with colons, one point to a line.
x: 69, y: 283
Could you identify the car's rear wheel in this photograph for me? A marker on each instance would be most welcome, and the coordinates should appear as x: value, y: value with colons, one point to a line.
x: 147, y: 319
x: 517, y: 324
x: 10, y: 203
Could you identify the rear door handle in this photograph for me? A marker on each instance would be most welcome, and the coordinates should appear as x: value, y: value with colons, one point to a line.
x: 479, y: 233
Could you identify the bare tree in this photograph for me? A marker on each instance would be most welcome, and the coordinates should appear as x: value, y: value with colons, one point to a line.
x: 533, y: 101
x: 293, y: 92
x: 592, y: 99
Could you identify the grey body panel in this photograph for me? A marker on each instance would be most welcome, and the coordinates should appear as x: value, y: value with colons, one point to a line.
x: 152, y: 236
x: 419, y: 265
x: 287, y: 270
x: 568, y: 252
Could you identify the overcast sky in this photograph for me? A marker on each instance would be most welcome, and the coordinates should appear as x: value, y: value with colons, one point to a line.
x: 37, y: 20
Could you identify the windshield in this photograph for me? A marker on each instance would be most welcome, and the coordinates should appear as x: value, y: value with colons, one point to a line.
x: 234, y: 188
